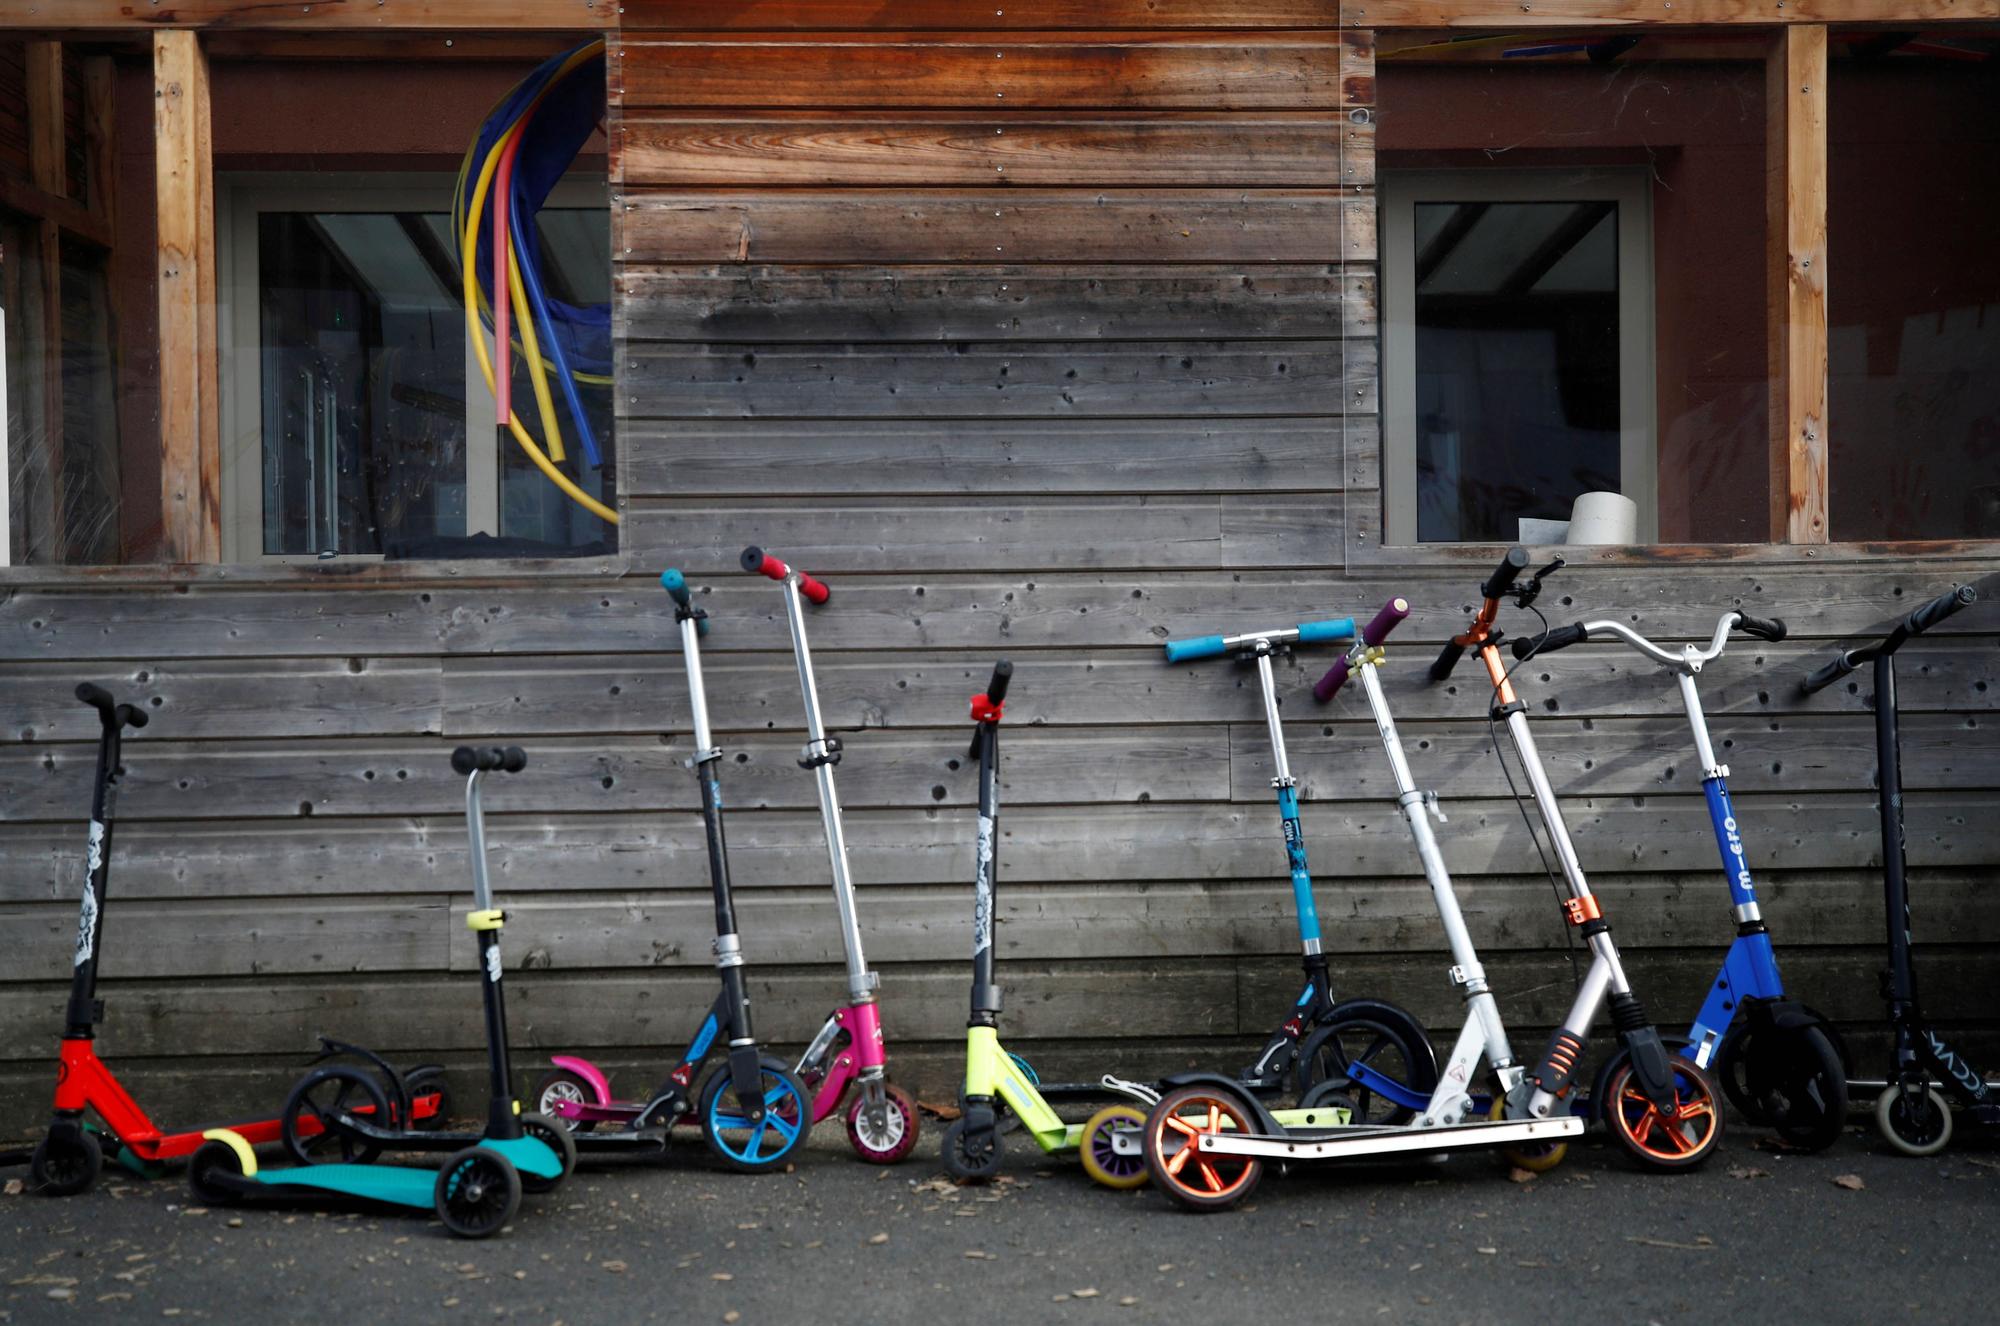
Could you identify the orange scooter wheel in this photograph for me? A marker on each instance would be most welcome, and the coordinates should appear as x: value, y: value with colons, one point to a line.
x: 1664, y: 1139
x: 1195, y: 1180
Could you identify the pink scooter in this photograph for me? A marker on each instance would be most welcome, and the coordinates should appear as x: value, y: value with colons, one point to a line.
x: 882, y: 1120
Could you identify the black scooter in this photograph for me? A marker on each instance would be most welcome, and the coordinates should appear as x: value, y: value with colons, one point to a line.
x: 1911, y: 1112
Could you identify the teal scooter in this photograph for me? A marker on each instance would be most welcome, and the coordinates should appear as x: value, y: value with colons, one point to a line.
x: 478, y: 1190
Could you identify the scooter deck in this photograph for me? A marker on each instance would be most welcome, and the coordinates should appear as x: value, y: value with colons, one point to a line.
x: 1360, y: 1141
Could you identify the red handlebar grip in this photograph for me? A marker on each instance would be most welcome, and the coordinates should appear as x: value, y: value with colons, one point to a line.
x: 815, y: 590
x: 759, y: 562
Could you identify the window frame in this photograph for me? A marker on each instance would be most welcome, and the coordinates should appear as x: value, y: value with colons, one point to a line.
x: 241, y: 197
x: 1400, y: 192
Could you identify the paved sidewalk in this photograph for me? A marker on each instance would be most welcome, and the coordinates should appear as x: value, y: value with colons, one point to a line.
x: 1754, y: 1236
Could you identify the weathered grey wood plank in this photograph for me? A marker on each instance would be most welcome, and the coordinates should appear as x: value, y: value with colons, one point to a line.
x: 948, y: 15
x: 994, y: 458
x: 978, y: 226
x: 744, y: 303
x: 863, y: 535
x: 1081, y: 379
x: 188, y: 940
x: 1797, y: 754
x: 581, y: 774
x: 1263, y: 531
x: 223, y: 697
x: 980, y: 148
x: 519, y: 694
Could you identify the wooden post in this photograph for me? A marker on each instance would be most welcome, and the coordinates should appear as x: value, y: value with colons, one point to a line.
x: 190, y: 443
x: 45, y: 539
x: 1795, y: 195
x: 100, y: 137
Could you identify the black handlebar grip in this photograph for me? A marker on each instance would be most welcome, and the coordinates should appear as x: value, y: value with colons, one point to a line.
x: 96, y: 697
x: 131, y: 716
x: 1556, y: 637
x: 1003, y: 673
x: 489, y: 759
x: 1764, y: 628
x: 1447, y: 659
x: 1515, y: 562
x: 1955, y: 599
x: 1826, y: 675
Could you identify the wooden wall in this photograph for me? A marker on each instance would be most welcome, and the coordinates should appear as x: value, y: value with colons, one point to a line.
x: 1048, y: 341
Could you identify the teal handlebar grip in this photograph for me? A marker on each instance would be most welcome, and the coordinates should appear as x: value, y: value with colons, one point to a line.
x: 1319, y: 633
x: 676, y: 584
x: 1207, y: 646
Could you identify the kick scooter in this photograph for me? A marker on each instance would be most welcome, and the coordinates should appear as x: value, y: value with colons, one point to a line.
x: 1660, y: 1107
x: 1912, y: 1114
x: 1780, y: 1063
x: 1206, y: 1145
x: 753, y: 1110
x: 996, y: 1080
x: 882, y: 1121
x: 1321, y: 1038
x: 479, y: 1188
x: 69, y: 1158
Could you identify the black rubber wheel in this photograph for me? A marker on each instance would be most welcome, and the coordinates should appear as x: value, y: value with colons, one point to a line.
x: 428, y: 1081
x: 1803, y: 1086
x: 556, y: 1137
x: 560, y: 1086
x: 974, y: 1157
x: 1731, y: 1068
x: 1677, y: 1139
x: 65, y: 1164
x: 1327, y: 1056
x: 1171, y: 1142
x: 477, y: 1193
x: 212, y: 1163
x: 321, y: 1098
x: 756, y: 1147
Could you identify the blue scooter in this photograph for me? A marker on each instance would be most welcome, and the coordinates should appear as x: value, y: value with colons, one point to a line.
x: 478, y: 1190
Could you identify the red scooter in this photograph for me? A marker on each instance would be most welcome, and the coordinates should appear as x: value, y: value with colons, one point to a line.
x: 69, y: 1159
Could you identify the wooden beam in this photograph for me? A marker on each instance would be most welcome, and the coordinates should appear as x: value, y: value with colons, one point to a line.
x: 190, y: 474
x: 1795, y: 195
x: 44, y: 98
x: 320, y: 15
x: 1512, y: 15
x: 100, y: 136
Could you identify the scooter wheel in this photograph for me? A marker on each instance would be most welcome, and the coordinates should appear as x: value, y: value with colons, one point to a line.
x: 1328, y: 1055
x: 557, y: 1139
x: 66, y: 1163
x: 1172, y: 1139
x: 1534, y: 1159
x: 894, y: 1138
x: 563, y: 1087
x: 1914, y: 1125
x: 209, y: 1169
x: 1675, y: 1139
x: 1102, y: 1160
x: 428, y: 1081
x: 755, y: 1146
x: 970, y: 1157
x: 1732, y: 1066
x: 1804, y: 1088
x: 310, y: 1124
x: 477, y: 1193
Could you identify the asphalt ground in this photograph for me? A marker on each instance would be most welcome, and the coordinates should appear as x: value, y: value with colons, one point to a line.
x: 1854, y: 1234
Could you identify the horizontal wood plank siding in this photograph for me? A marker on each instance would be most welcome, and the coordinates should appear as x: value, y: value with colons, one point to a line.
x: 1047, y: 333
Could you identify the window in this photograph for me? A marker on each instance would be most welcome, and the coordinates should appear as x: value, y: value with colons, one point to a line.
x: 357, y: 422
x: 1518, y: 349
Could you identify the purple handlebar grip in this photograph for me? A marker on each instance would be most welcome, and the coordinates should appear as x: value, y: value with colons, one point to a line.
x: 1371, y: 635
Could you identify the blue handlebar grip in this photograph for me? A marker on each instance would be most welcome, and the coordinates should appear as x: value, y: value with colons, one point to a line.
x: 676, y: 584
x: 1319, y: 633
x: 1182, y: 651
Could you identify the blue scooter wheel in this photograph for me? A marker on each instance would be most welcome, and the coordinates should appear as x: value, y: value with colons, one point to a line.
x: 755, y: 1145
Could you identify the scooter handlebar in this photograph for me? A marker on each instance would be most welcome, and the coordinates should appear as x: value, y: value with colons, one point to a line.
x: 1186, y: 651
x: 1392, y: 614
x: 1764, y: 628
x: 1446, y: 660
x: 1827, y: 674
x: 489, y: 759
x: 986, y: 707
x: 676, y: 585
x: 1956, y: 599
x: 759, y: 562
x: 109, y: 709
x: 1549, y: 641
x: 1515, y: 562
x: 996, y: 689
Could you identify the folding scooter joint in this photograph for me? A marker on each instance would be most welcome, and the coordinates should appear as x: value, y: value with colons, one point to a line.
x: 826, y: 750
x: 701, y: 757
x: 728, y: 950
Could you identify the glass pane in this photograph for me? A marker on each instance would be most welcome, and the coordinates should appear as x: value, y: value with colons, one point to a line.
x: 1913, y: 294
x: 91, y: 497
x: 363, y: 383
x: 1517, y: 363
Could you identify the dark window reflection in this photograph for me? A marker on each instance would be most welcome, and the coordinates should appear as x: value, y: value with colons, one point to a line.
x: 1517, y: 401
